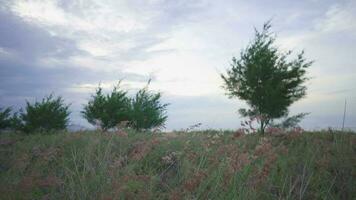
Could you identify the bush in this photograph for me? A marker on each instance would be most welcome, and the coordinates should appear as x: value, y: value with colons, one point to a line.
x: 5, y: 118
x: 147, y: 111
x: 144, y: 111
x: 109, y: 110
x: 49, y: 114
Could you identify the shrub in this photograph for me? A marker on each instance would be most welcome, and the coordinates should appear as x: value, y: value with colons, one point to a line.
x: 109, y: 110
x: 143, y: 111
x: 147, y: 111
x: 5, y: 118
x: 49, y: 114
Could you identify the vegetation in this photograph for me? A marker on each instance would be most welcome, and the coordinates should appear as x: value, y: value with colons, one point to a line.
x: 5, y: 118
x: 107, y: 111
x: 143, y: 111
x: 147, y: 111
x: 290, y: 122
x: 193, y: 165
x: 49, y: 114
x: 266, y: 79
x: 128, y: 163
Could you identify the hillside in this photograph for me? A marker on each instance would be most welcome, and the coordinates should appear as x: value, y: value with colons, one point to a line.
x: 194, y: 165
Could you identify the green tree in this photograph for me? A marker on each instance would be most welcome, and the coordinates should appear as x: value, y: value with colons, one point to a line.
x: 109, y: 110
x: 266, y: 78
x: 5, y: 118
x: 147, y: 111
x: 49, y: 114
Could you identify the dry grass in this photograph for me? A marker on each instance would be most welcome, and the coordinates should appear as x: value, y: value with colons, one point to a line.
x: 194, y: 165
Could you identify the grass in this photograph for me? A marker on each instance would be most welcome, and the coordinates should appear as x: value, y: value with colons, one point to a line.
x: 194, y: 165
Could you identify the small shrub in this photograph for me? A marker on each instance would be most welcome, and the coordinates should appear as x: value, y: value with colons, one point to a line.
x: 147, y: 111
x: 5, y: 118
x: 143, y: 111
x: 107, y: 111
x: 49, y: 114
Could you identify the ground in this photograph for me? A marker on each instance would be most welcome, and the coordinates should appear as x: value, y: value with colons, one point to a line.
x: 180, y: 165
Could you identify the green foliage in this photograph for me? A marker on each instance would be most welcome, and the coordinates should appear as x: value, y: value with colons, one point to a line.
x: 109, y: 110
x: 147, y: 111
x: 16, y: 122
x: 266, y: 78
x: 5, y: 118
x: 290, y: 122
x: 49, y: 114
x: 143, y: 111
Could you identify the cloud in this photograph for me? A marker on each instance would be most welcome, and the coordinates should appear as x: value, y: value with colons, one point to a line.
x: 121, y: 30
x: 29, y: 42
x: 339, y: 18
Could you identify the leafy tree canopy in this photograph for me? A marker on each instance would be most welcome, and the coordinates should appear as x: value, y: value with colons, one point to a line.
x: 266, y: 78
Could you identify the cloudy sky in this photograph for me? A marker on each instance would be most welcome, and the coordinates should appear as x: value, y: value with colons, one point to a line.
x: 70, y: 46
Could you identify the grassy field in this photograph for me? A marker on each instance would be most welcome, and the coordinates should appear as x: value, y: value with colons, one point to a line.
x: 194, y: 165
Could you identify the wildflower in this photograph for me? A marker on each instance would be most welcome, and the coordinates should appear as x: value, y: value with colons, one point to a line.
x: 140, y: 150
x: 171, y: 158
x: 192, y: 183
x: 274, y: 130
x: 216, y: 136
x: 175, y: 195
x: 121, y: 133
x: 239, y: 161
x: 240, y: 132
x: 263, y: 147
x: 123, y: 124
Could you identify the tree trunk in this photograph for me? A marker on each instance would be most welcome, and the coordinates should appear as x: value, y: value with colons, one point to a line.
x: 262, y: 129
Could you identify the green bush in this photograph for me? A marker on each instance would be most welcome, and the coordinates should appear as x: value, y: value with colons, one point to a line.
x: 143, y: 111
x: 109, y: 110
x: 5, y: 118
x: 49, y: 114
x: 147, y: 111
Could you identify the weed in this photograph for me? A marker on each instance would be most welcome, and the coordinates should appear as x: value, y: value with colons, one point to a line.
x: 194, y: 165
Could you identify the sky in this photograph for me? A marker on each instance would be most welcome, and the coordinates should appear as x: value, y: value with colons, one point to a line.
x: 68, y: 47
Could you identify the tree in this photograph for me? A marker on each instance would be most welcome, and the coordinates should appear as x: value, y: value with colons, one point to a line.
x: 5, y: 118
x: 266, y: 78
x: 147, y: 111
x: 49, y: 114
x: 109, y: 110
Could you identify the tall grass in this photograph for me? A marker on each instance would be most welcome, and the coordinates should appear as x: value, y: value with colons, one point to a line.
x: 195, y: 165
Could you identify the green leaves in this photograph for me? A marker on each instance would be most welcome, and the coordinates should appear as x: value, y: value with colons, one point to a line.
x: 266, y: 78
x: 5, y: 118
x: 143, y: 111
x: 49, y: 114
x: 290, y: 122
x: 147, y: 111
x: 109, y: 110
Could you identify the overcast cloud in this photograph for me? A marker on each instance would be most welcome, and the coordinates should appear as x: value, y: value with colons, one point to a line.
x: 69, y: 46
